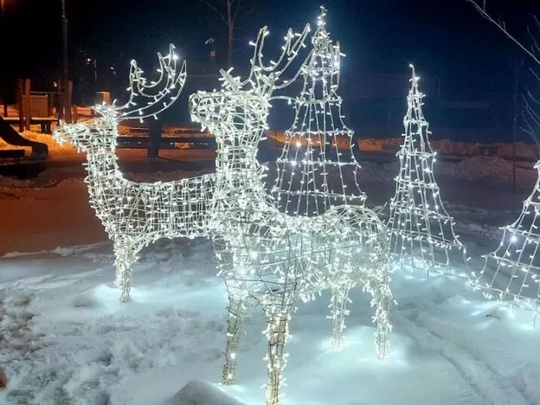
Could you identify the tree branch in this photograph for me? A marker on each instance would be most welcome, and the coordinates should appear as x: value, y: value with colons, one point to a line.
x: 215, y: 10
x: 235, y: 15
x: 531, y: 104
x: 536, y: 47
x: 531, y: 117
x: 502, y: 26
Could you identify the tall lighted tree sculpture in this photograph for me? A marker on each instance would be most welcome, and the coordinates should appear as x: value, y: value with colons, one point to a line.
x: 317, y: 168
x: 512, y: 271
x: 421, y: 231
x: 270, y: 258
x: 137, y: 214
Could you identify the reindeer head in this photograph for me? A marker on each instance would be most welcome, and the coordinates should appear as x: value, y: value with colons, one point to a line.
x: 237, y: 114
x: 153, y: 97
x: 85, y: 136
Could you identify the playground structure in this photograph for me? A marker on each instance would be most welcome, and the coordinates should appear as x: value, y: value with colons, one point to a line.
x: 44, y: 108
x: 35, y: 108
x: 13, y: 161
x: 32, y: 109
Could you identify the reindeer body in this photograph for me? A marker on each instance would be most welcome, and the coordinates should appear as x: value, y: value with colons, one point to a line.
x: 270, y: 258
x: 137, y: 214
x: 134, y: 214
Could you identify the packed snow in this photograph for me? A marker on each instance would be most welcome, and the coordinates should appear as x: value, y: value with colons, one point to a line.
x: 66, y: 339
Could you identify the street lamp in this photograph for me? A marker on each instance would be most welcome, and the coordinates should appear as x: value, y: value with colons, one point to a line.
x: 3, y: 79
x: 65, y: 75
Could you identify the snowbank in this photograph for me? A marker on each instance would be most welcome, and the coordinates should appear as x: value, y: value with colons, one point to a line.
x: 524, y: 151
x: 54, y: 147
x: 68, y: 340
x: 200, y: 392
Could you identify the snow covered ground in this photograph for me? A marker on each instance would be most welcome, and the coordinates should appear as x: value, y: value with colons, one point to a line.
x: 66, y: 339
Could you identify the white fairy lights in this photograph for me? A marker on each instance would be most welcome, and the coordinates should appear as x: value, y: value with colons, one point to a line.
x: 422, y: 232
x: 160, y: 94
x: 137, y: 214
x: 313, y: 145
x: 269, y: 258
x: 512, y: 271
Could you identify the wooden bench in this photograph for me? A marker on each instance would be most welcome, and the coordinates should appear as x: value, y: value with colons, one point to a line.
x: 11, y: 155
x: 45, y: 122
x: 143, y: 142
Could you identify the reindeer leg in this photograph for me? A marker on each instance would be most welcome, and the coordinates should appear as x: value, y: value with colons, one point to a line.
x: 382, y: 300
x: 277, y: 326
x: 338, y: 306
x: 235, y: 326
x: 126, y: 255
x: 118, y: 248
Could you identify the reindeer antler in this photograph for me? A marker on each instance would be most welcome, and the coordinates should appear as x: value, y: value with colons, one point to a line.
x: 264, y: 78
x: 156, y: 96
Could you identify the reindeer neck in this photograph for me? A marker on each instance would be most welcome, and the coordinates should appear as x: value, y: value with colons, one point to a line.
x: 238, y: 176
x: 101, y: 165
x: 233, y: 157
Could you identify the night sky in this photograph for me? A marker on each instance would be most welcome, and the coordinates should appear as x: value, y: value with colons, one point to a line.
x: 446, y: 38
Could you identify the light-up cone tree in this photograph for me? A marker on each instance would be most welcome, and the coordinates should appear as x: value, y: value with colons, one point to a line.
x: 317, y: 168
x: 421, y: 230
x: 137, y: 214
x: 512, y: 271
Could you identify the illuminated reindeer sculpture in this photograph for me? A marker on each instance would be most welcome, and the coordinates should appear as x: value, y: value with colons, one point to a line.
x: 137, y: 214
x: 267, y: 257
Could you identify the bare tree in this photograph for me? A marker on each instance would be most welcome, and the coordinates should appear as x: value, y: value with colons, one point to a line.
x: 533, y: 50
x: 230, y: 12
x: 531, y: 103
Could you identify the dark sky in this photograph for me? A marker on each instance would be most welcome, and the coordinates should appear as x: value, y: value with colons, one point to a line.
x: 446, y: 38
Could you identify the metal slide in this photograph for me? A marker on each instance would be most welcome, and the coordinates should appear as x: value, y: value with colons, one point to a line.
x: 11, y: 136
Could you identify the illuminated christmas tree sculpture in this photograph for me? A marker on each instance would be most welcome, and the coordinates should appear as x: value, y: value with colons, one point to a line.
x: 516, y: 262
x: 422, y: 232
x: 313, y: 171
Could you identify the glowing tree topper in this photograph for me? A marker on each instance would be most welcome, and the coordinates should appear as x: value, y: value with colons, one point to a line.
x: 269, y: 258
x: 137, y: 214
x: 313, y: 145
x: 422, y: 232
x: 512, y: 271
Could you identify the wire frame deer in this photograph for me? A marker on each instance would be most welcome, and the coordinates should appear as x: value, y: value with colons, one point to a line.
x: 269, y: 258
x: 137, y: 214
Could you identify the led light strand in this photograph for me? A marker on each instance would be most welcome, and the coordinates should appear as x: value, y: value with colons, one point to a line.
x: 511, y: 273
x: 313, y: 149
x: 137, y: 214
x: 268, y: 258
x: 421, y: 231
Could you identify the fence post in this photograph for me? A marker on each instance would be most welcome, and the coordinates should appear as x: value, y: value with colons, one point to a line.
x: 154, y: 139
x: 67, y: 99
x: 20, y: 95
x: 27, y: 104
x: 75, y: 114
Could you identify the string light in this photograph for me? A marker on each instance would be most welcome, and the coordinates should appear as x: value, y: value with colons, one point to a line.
x: 421, y: 231
x: 269, y: 258
x: 137, y: 214
x: 312, y: 145
x: 513, y: 269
